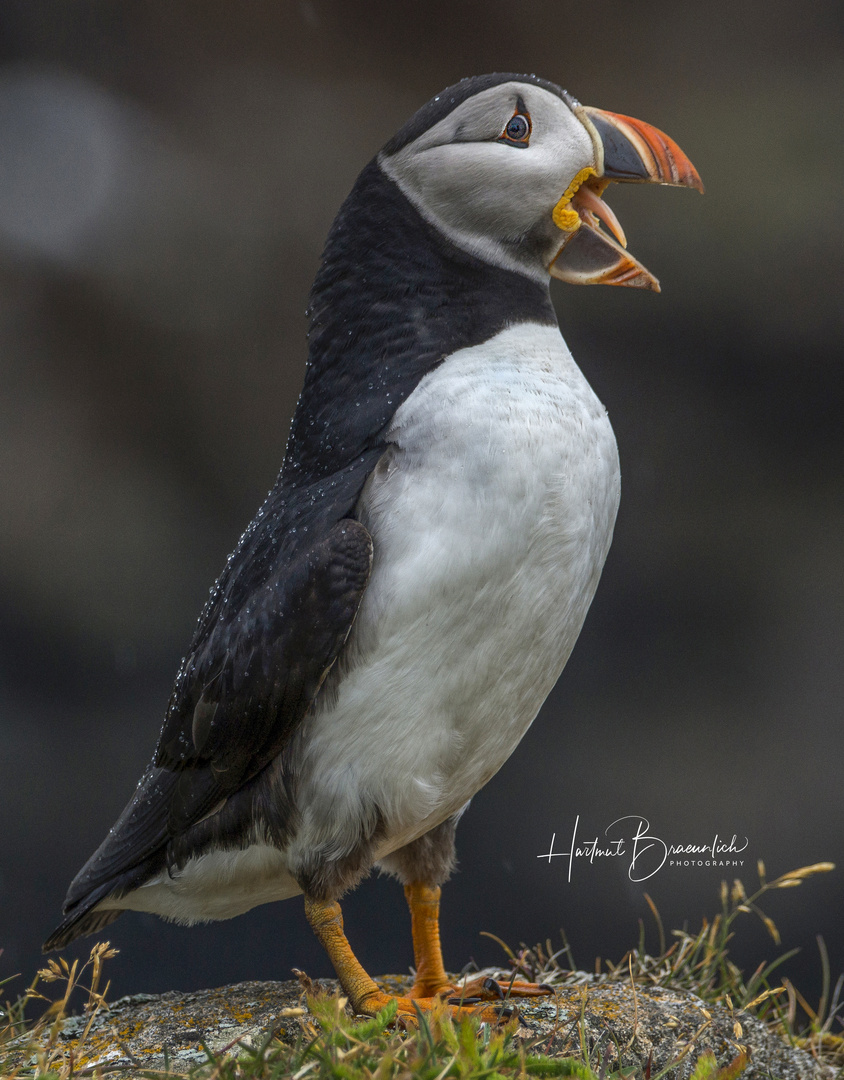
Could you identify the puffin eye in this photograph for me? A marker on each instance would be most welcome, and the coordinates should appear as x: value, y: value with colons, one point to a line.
x: 517, y: 131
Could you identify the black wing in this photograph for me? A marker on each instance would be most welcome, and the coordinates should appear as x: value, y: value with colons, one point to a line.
x: 248, y: 682
x: 239, y: 697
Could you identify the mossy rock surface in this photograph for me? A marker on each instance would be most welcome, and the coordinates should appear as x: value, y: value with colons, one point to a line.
x: 153, y: 1031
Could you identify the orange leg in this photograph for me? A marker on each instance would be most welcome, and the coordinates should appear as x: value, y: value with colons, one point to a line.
x: 364, y: 996
x: 431, y: 979
x: 424, y: 903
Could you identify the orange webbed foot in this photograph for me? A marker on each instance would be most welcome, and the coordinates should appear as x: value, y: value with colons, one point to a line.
x: 366, y: 997
x: 458, y: 1008
x: 483, y: 988
x: 488, y: 989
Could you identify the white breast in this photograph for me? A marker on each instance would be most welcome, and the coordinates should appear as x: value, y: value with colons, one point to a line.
x: 491, y: 518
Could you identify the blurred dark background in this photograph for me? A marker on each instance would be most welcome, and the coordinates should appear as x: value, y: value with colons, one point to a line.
x: 168, y: 172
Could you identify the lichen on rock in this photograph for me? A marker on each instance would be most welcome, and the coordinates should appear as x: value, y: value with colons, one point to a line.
x: 620, y: 1023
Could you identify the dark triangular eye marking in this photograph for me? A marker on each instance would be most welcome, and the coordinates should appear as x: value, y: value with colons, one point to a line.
x: 518, y: 128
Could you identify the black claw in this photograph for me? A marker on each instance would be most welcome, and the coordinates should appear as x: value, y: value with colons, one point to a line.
x: 548, y: 989
x: 494, y: 988
x: 463, y: 1001
x: 507, y: 1012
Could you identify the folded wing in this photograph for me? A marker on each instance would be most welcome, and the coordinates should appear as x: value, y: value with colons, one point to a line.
x: 254, y: 672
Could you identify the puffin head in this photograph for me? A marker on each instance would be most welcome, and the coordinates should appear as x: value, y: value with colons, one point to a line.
x: 512, y: 168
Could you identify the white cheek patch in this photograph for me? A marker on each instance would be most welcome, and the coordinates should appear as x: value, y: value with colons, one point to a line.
x: 487, y: 196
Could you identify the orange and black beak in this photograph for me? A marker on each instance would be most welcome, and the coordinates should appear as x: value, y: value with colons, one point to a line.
x: 626, y: 151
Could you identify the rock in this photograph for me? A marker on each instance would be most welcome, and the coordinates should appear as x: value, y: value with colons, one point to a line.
x: 653, y: 1024
x: 656, y: 1025
x: 150, y: 1031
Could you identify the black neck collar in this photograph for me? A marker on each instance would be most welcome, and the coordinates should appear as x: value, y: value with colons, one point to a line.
x: 393, y: 298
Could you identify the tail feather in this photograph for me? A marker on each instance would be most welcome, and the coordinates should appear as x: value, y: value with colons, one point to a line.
x: 83, y: 916
x: 77, y: 925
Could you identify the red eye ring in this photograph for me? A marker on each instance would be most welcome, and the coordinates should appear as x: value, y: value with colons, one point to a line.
x: 517, y: 131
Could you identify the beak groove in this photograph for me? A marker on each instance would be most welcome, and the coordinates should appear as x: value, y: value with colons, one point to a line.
x: 636, y: 152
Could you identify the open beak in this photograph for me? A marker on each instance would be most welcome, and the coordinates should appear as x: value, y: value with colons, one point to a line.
x: 626, y: 151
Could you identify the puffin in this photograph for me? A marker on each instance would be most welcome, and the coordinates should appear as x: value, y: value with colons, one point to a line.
x: 390, y: 623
